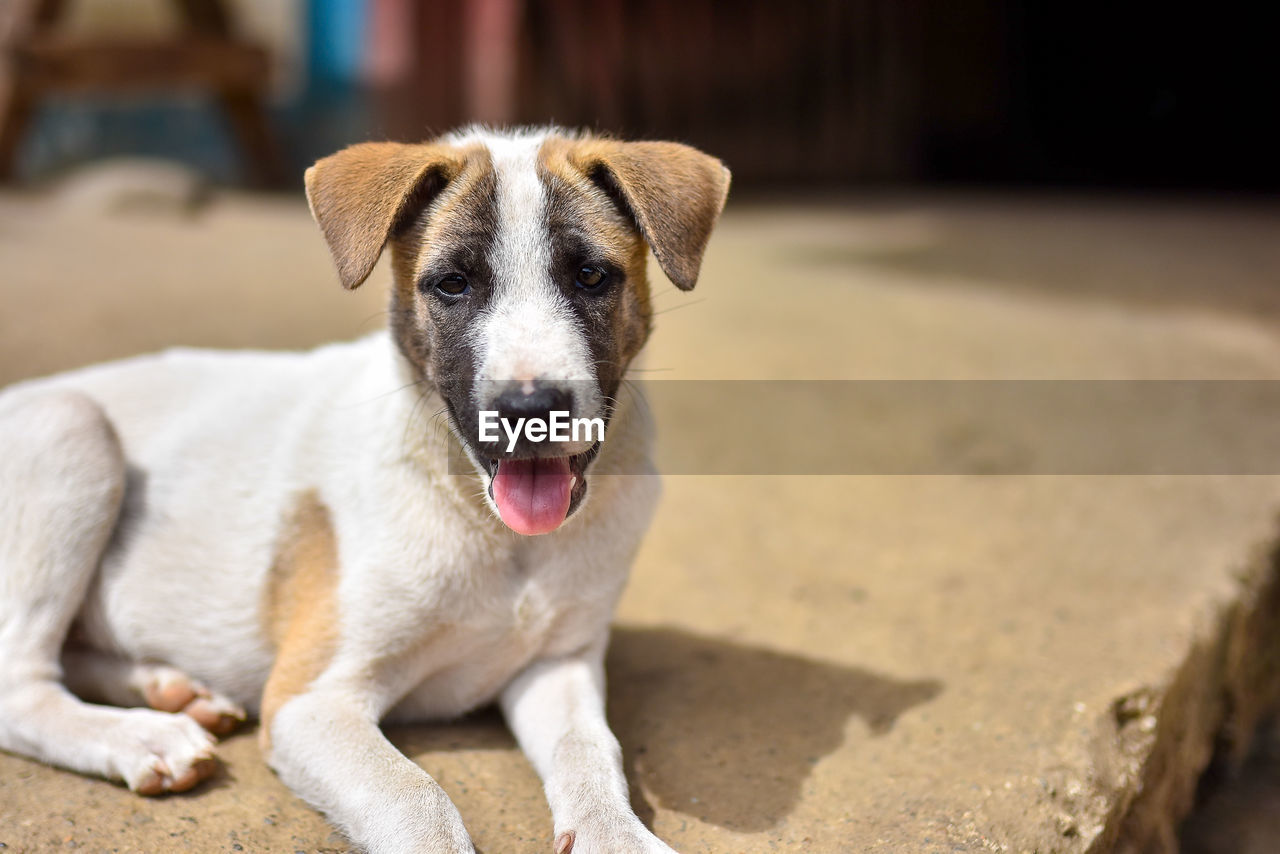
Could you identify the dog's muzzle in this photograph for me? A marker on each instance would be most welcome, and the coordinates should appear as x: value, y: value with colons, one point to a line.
x: 535, y: 484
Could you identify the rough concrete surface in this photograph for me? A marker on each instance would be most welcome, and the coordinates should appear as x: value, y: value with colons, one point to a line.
x: 964, y: 663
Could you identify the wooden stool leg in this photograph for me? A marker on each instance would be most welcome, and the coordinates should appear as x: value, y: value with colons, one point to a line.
x: 248, y: 118
x: 19, y: 19
x: 16, y: 108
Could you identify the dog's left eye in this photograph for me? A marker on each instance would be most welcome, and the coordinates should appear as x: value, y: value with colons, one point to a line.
x: 453, y: 285
x: 590, y: 278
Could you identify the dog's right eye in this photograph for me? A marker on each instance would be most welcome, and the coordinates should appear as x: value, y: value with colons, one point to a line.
x: 453, y: 285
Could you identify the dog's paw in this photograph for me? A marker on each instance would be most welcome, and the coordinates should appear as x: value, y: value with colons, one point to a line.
x: 156, y: 752
x: 170, y: 690
x: 633, y: 840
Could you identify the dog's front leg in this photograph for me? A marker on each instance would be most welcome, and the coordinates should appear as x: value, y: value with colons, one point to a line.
x: 556, y: 709
x: 327, y: 747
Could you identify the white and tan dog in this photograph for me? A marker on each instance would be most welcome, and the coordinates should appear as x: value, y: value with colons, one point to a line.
x: 213, y: 533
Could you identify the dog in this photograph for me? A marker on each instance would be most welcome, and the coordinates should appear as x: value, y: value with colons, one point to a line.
x: 197, y: 536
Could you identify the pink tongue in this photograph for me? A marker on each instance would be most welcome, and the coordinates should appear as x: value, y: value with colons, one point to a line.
x: 533, y: 495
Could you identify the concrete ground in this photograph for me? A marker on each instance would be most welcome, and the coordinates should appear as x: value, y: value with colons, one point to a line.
x: 970, y: 662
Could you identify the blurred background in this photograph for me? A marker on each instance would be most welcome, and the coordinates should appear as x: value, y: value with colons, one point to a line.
x: 815, y: 94
x: 923, y: 189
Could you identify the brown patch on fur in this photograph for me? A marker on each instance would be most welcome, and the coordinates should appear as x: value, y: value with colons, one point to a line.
x: 634, y: 319
x: 300, y: 606
x: 361, y: 195
x: 675, y: 194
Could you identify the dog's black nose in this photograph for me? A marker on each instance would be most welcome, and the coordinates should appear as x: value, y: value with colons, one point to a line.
x: 515, y: 403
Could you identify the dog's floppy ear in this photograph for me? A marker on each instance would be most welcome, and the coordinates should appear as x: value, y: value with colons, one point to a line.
x: 673, y: 192
x: 360, y: 196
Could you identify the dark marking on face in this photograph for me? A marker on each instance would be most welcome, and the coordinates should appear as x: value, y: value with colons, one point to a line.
x: 589, y: 229
x: 592, y: 208
x: 450, y: 237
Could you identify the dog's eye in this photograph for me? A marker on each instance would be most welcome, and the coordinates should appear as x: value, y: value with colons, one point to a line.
x: 590, y: 278
x: 453, y: 285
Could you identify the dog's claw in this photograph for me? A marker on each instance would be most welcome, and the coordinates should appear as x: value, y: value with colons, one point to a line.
x: 564, y: 842
x: 216, y: 714
x: 153, y: 783
x: 186, y: 780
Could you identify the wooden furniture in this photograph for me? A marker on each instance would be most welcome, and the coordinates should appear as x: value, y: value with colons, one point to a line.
x: 206, y: 55
x: 820, y: 91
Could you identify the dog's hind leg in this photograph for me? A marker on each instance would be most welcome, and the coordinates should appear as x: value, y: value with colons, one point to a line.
x: 61, y: 485
x: 101, y: 677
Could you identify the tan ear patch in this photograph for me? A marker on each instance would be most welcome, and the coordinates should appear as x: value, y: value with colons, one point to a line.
x: 300, y: 606
x: 675, y: 194
x: 359, y: 196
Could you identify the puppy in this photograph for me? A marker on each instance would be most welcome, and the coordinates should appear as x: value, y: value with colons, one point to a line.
x: 292, y: 536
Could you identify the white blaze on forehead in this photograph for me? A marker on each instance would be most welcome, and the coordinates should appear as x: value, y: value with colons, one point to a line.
x: 528, y: 330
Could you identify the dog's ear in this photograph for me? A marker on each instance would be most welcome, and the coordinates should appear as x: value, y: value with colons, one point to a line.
x: 673, y: 192
x: 363, y: 194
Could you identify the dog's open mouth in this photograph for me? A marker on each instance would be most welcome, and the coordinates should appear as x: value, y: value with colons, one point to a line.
x: 535, y: 495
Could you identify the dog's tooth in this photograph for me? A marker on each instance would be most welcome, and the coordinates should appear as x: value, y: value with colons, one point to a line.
x: 573, y: 481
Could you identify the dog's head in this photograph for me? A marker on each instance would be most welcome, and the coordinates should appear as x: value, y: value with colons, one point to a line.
x: 519, y: 281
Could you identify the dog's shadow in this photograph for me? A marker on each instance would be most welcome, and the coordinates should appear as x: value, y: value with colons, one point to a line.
x: 728, y: 733
x: 720, y: 731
